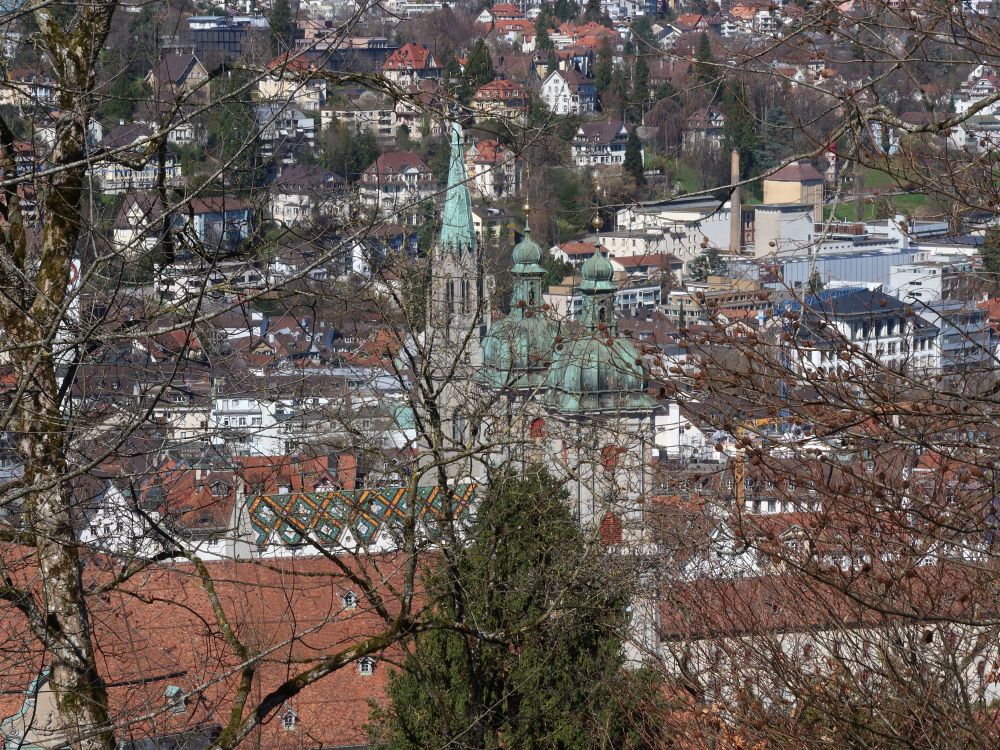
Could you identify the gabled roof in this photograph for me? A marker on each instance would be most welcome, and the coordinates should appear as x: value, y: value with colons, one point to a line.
x: 173, y: 69
x: 396, y: 162
x: 506, y: 10
x: 487, y: 152
x: 602, y: 131
x: 573, y: 78
x: 291, y: 63
x: 307, y: 177
x: 411, y: 56
x: 125, y: 135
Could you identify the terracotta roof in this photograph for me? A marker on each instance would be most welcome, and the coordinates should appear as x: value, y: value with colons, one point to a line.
x: 291, y: 63
x: 159, y: 631
x: 396, y: 162
x: 688, y: 21
x: 501, y: 89
x: 488, y: 151
x: 411, y: 56
x: 506, y: 10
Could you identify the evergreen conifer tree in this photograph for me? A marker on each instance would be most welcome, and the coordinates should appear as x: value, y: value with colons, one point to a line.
x: 282, y: 27
x: 603, y: 68
x: 553, y: 674
x: 633, y: 165
x: 704, y: 61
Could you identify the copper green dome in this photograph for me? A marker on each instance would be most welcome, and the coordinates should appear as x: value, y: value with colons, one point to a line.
x: 527, y: 254
x: 593, y: 373
x: 597, y: 272
x: 517, y: 351
x: 597, y: 371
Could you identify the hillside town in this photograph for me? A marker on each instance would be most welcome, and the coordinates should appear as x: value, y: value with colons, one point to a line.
x: 337, y: 284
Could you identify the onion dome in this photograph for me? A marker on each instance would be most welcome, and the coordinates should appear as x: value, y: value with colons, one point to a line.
x: 597, y: 272
x: 518, y: 349
x: 597, y: 371
x: 527, y: 255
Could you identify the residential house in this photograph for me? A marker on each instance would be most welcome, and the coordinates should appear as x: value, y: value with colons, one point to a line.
x: 380, y: 121
x: 568, y: 92
x: 600, y: 143
x: 395, y: 186
x: 490, y: 223
x: 705, y: 127
x: 291, y: 79
x: 285, y: 131
x: 499, y: 12
x: 416, y: 111
x: 410, y: 64
x: 494, y: 171
x: 303, y: 194
x: 179, y: 75
x: 25, y: 87
x: 222, y: 222
x: 131, y: 142
x: 503, y: 100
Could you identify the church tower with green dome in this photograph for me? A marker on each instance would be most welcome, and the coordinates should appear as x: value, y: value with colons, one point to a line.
x: 458, y: 314
x: 518, y: 350
x: 596, y: 390
x: 597, y: 371
x: 459, y: 306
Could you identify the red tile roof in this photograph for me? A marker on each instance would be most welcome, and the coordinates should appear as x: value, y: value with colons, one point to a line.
x: 396, y: 162
x: 411, y: 56
x: 159, y: 630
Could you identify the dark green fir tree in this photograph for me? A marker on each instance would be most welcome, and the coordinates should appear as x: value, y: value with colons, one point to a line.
x: 633, y: 165
x: 551, y: 672
x: 282, y: 27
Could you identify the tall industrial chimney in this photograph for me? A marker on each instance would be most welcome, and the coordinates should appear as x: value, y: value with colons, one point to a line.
x: 735, y: 207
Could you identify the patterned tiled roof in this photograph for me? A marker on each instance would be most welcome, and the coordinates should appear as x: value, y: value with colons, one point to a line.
x: 324, y: 516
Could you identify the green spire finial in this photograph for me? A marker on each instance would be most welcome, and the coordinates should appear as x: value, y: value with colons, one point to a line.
x: 457, y: 231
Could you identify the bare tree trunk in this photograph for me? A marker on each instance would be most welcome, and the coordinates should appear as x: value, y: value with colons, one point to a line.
x: 32, y: 311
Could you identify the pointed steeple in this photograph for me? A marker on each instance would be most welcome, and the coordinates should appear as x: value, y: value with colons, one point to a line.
x: 457, y: 232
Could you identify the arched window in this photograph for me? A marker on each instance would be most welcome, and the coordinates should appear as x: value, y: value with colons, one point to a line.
x: 537, y: 427
x: 610, y: 529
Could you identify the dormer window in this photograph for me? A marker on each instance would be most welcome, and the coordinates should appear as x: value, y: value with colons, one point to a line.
x: 366, y: 666
x: 350, y: 600
x: 220, y: 488
x: 289, y: 720
x: 176, y: 699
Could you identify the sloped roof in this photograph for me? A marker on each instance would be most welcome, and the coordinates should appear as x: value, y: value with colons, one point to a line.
x: 797, y: 172
x: 410, y: 56
x: 125, y: 134
x: 174, y: 68
x: 601, y: 131
x: 159, y: 630
x: 397, y: 161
